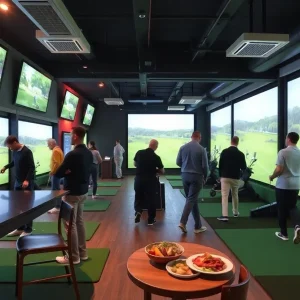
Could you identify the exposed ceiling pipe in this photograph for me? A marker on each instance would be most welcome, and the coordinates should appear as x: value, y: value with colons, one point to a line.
x: 149, y: 25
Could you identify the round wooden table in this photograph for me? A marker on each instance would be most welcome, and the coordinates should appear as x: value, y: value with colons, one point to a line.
x: 153, y: 278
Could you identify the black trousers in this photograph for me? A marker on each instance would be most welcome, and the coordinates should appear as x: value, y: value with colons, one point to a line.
x: 145, y: 193
x: 287, y: 206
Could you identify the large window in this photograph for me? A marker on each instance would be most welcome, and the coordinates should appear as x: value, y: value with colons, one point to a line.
x: 3, y: 150
x: 294, y: 105
x: 255, y: 122
x: 220, y: 129
x: 171, y: 130
x: 35, y: 136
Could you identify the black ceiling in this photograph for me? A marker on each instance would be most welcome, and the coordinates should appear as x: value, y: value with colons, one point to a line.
x: 185, y: 42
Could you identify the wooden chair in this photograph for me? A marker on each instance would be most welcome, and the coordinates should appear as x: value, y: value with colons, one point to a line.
x: 237, y: 291
x: 43, y: 243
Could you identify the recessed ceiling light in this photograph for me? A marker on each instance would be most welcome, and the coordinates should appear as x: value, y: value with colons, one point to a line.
x: 85, y: 67
x: 101, y: 84
x: 3, y: 6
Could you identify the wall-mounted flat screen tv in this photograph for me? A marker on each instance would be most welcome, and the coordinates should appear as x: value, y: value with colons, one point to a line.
x: 88, y: 116
x: 66, y: 142
x: 69, y: 107
x: 34, y: 88
x: 2, y: 60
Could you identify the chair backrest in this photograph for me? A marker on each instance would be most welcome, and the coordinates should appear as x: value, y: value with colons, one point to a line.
x: 237, y: 291
x: 66, y: 213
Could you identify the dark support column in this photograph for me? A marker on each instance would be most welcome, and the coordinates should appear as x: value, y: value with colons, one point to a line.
x: 13, y: 130
x: 282, y: 112
x: 232, y: 120
x: 55, y: 132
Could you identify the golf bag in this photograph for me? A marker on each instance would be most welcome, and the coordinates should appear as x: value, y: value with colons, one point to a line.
x: 213, y: 176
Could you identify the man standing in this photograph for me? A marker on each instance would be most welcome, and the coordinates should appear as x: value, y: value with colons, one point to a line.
x: 232, y: 162
x: 76, y: 169
x: 287, y: 186
x: 148, y: 164
x: 118, y: 157
x: 56, y: 160
x: 192, y: 158
x: 24, y: 175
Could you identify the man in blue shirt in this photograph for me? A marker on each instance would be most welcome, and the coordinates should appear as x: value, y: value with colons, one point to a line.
x: 192, y: 158
x: 287, y: 186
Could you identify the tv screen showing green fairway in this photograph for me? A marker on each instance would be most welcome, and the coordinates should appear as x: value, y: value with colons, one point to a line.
x: 88, y: 116
x: 171, y: 130
x: 69, y: 107
x: 35, y: 137
x: 255, y: 123
x: 3, y: 150
x: 34, y: 88
x: 294, y: 105
x: 220, y: 130
x: 2, y: 60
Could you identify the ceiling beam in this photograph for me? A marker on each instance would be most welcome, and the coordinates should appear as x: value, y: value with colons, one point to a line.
x: 175, y: 90
x: 228, y: 9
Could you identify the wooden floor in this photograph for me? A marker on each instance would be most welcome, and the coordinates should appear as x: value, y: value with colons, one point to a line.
x: 119, y: 233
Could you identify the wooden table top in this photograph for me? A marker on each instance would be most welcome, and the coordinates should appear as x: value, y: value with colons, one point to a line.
x: 154, y: 278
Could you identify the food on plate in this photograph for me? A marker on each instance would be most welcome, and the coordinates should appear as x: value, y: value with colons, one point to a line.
x: 164, y: 249
x: 208, y: 263
x: 181, y: 268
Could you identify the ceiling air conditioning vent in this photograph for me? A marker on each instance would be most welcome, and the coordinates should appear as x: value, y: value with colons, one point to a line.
x: 190, y: 100
x: 58, y: 44
x: 114, y: 101
x: 257, y: 45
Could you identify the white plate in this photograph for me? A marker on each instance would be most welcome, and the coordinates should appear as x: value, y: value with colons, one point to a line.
x: 173, y: 262
x: 229, y: 264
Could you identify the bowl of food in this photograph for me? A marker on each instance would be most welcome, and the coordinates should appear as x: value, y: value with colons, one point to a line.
x: 163, y: 252
x: 178, y: 268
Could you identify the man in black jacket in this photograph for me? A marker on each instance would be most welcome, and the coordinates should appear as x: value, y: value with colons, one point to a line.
x: 76, y: 169
x: 232, y: 162
x: 24, y: 174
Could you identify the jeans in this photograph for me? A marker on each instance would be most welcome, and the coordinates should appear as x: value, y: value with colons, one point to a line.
x: 55, y: 186
x: 118, y: 162
x: 145, y: 193
x: 94, y: 175
x: 18, y: 187
x: 192, y: 184
x: 287, y: 206
x: 226, y: 185
x: 78, y: 229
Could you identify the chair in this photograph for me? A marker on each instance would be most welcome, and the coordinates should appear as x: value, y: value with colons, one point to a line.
x: 237, y: 291
x: 43, y: 243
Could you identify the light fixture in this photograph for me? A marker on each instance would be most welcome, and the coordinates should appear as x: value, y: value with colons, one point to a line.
x: 142, y: 14
x: 114, y: 101
x: 190, y: 99
x: 3, y: 6
x: 85, y: 67
x: 176, y: 107
x: 101, y: 84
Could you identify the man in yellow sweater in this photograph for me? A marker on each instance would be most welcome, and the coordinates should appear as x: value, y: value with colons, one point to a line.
x: 56, y: 160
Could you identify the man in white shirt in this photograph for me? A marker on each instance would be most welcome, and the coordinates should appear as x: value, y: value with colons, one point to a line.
x: 118, y: 158
x: 287, y: 186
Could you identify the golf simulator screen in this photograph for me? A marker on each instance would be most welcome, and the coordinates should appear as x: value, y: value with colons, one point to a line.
x: 255, y: 123
x: 3, y: 149
x: 88, y: 116
x: 294, y: 105
x: 35, y: 137
x: 2, y: 60
x: 171, y: 130
x: 69, y: 107
x: 34, y: 88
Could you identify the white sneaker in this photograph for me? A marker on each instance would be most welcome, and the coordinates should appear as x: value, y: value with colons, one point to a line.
x: 25, y: 233
x: 202, y: 229
x: 84, y: 258
x: 64, y: 260
x: 54, y: 211
x: 296, y: 239
x: 281, y: 236
x: 94, y: 196
x: 16, y: 232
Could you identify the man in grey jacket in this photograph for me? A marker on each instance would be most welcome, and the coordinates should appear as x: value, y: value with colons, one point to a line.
x: 192, y: 158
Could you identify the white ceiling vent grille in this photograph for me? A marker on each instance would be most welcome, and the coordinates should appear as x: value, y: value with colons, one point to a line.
x: 114, y: 101
x: 257, y: 45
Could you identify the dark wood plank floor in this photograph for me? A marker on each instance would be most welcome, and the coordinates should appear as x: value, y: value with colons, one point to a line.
x: 119, y: 233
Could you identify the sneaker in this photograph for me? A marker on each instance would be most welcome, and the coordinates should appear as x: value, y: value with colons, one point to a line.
x: 54, y: 211
x: 151, y: 222
x: 15, y: 233
x: 296, y: 239
x: 64, y: 260
x: 236, y: 215
x: 281, y: 236
x: 137, y: 217
x: 84, y: 258
x: 182, y: 227
x: 25, y: 233
x: 94, y: 196
x: 202, y: 229
x: 223, y: 219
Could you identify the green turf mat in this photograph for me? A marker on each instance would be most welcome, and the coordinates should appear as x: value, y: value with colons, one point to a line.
x: 110, y: 183
x: 176, y: 183
x: 173, y: 177
x: 215, y: 209
x: 262, y: 252
x: 51, y: 227
x: 88, y: 271
x: 96, y: 205
x: 105, y: 192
